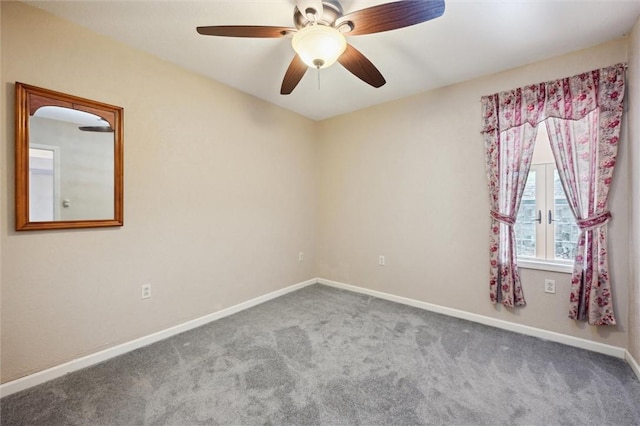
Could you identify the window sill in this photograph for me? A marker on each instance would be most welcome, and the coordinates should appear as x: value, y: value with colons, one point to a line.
x: 542, y: 265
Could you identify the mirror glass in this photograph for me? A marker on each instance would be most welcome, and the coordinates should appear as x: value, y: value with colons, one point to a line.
x: 68, y: 161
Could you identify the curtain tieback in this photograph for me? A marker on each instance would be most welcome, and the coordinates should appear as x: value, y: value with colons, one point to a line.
x: 593, y: 222
x: 507, y: 220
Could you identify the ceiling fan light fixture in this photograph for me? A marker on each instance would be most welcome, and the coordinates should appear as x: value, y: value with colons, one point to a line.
x: 319, y: 46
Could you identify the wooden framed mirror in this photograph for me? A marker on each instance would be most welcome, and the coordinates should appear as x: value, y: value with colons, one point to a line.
x: 69, y: 161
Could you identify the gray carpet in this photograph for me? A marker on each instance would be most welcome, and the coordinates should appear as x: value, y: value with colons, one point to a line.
x: 326, y: 356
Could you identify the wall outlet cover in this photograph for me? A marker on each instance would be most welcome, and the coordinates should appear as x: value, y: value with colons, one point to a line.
x: 549, y: 286
x: 145, y: 291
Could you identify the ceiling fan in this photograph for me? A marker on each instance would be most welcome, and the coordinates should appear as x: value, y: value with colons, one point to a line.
x: 319, y: 34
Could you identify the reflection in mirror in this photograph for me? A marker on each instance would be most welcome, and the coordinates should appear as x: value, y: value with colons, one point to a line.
x: 81, y: 180
x: 68, y: 161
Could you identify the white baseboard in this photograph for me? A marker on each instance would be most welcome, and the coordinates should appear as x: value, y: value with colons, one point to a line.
x: 633, y: 363
x: 493, y: 322
x: 95, y: 358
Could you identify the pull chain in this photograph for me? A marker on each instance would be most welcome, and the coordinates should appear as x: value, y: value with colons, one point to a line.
x: 318, y: 63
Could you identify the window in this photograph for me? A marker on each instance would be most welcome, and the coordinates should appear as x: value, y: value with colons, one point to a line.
x: 546, y: 231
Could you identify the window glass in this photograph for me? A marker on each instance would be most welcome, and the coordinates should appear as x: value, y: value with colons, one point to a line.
x: 525, y: 227
x: 566, y: 230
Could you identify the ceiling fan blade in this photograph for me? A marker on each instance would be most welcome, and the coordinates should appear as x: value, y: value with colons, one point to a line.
x: 391, y: 16
x: 361, y: 67
x: 245, y: 31
x: 101, y: 129
x: 294, y: 74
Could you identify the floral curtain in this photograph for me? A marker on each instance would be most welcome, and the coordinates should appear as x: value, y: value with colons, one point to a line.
x: 510, y: 120
x: 584, y: 115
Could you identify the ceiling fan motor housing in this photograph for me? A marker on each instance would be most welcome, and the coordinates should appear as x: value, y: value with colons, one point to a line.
x: 332, y: 10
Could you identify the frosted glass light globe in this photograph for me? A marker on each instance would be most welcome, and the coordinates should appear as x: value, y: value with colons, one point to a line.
x: 319, y: 46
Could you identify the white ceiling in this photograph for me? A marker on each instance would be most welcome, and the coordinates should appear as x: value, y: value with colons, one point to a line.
x: 471, y: 39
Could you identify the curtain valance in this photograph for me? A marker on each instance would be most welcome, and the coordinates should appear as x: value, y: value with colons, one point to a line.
x: 570, y: 98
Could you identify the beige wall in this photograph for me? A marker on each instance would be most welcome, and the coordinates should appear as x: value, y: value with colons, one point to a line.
x: 407, y: 180
x: 220, y: 196
x: 3, y: 178
x: 633, y: 79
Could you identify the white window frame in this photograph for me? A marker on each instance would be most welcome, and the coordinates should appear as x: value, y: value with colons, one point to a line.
x: 545, y: 232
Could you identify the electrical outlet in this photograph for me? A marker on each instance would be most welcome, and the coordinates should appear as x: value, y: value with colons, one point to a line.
x: 549, y: 286
x: 146, y: 291
x: 300, y: 256
x: 381, y: 260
